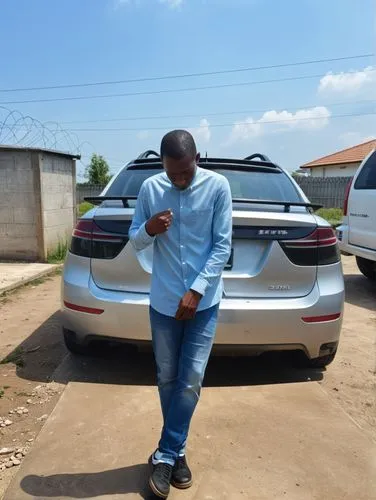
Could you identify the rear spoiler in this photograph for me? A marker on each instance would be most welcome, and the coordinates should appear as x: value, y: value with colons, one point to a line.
x: 286, y: 204
x: 97, y: 200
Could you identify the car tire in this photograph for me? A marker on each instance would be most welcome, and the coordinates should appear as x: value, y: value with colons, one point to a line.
x: 302, y: 361
x: 367, y: 267
x: 73, y: 346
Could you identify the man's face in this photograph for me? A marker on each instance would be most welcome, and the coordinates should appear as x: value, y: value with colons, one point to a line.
x: 180, y: 172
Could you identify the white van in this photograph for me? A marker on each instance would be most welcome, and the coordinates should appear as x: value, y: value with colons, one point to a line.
x: 357, y: 234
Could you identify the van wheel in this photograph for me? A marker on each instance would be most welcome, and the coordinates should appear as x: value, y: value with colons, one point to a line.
x: 367, y: 267
x: 72, y: 345
x: 302, y: 361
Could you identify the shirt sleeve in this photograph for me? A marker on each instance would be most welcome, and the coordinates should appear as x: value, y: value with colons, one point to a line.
x: 138, y: 235
x: 222, y: 233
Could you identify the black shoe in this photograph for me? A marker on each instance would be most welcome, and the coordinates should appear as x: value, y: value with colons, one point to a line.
x: 160, y: 478
x: 181, y: 474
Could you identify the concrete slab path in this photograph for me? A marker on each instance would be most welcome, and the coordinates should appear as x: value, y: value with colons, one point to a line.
x: 15, y: 274
x: 265, y: 442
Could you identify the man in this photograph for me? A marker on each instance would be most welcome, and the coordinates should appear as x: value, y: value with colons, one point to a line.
x: 186, y: 213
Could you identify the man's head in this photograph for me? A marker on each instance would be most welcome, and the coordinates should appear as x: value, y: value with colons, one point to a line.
x: 179, y: 156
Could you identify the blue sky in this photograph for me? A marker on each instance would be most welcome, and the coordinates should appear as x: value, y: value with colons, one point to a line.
x: 50, y: 42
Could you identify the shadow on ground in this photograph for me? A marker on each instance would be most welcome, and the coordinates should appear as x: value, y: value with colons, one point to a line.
x: 124, y: 481
x: 360, y: 291
x: 43, y: 357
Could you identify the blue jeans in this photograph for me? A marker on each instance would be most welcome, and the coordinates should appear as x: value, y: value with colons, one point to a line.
x: 181, y: 350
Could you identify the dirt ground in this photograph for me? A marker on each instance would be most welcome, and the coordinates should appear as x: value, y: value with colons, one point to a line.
x: 31, y: 350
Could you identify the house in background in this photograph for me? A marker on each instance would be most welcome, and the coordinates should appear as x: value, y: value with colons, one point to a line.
x: 344, y: 163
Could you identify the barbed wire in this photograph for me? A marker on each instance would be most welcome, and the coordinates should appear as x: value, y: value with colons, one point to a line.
x: 17, y: 129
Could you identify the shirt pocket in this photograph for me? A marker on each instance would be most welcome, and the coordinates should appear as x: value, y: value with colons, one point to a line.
x: 202, y: 216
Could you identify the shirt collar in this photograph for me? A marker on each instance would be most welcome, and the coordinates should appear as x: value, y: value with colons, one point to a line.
x: 189, y: 188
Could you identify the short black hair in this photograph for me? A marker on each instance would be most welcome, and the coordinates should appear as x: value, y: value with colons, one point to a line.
x: 177, y: 144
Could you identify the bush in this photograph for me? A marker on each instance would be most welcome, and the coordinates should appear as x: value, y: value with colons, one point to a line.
x: 83, y: 207
x: 333, y: 215
x: 58, y: 254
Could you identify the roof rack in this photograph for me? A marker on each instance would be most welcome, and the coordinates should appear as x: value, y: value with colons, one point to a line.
x: 235, y: 161
x: 260, y: 156
x: 146, y: 154
x: 151, y: 159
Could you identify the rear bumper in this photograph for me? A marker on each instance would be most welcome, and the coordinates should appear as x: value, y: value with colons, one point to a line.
x: 257, y: 324
x: 348, y: 248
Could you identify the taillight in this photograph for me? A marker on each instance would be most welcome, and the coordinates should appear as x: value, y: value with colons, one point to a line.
x: 102, y: 240
x: 319, y: 248
x: 347, y: 194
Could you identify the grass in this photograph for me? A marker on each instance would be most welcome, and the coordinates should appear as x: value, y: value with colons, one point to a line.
x: 57, y: 256
x: 333, y: 215
x: 83, y: 208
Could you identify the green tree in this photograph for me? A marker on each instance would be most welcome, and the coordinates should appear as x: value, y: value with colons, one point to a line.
x: 299, y: 173
x: 98, y: 171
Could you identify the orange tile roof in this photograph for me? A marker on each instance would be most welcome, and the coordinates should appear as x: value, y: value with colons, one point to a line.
x: 350, y: 155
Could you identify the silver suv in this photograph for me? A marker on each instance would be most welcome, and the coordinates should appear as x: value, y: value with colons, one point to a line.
x: 283, y: 284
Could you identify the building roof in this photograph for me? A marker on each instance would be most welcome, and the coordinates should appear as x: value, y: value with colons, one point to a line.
x: 5, y: 147
x: 355, y: 154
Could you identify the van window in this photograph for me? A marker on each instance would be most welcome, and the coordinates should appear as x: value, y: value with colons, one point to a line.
x: 367, y: 177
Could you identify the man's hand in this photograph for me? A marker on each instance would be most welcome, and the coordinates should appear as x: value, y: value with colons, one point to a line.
x: 159, y: 223
x: 188, y: 306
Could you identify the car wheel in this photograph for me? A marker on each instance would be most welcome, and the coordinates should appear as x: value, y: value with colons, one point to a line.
x: 367, y: 267
x: 302, y: 361
x: 72, y: 345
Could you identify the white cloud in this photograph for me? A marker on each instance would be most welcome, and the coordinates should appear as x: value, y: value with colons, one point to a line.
x: 202, y: 133
x: 280, y: 121
x: 312, y: 118
x: 142, y: 135
x: 349, y: 82
x: 245, y: 130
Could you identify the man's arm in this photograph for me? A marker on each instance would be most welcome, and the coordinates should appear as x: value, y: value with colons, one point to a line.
x: 218, y: 257
x: 144, y: 228
x: 138, y: 235
x: 222, y: 233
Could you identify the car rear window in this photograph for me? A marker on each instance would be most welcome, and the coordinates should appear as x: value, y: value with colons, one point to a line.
x: 260, y: 185
x: 367, y: 177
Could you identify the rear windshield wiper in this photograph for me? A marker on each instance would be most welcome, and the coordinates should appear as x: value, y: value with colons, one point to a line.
x: 97, y: 200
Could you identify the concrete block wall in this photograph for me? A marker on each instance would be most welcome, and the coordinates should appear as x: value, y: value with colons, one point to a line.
x: 58, y: 194
x: 37, y: 202
x: 18, y: 207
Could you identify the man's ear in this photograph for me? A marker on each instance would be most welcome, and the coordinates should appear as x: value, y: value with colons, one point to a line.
x: 198, y: 156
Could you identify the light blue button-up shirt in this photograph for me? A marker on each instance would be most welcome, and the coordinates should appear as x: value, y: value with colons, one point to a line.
x: 194, y: 251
